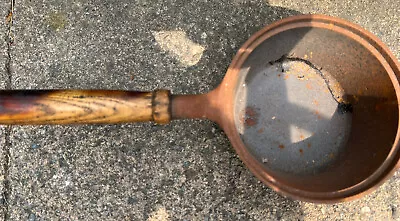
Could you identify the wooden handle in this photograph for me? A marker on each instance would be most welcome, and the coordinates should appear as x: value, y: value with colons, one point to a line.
x: 83, y: 106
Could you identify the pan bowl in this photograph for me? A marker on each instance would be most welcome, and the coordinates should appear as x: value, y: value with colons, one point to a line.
x: 310, y: 104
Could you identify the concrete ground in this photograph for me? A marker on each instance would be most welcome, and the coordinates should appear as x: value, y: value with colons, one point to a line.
x: 183, y: 171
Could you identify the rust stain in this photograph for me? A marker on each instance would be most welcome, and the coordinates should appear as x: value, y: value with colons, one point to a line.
x: 249, y: 117
x: 250, y: 122
x: 315, y: 102
x: 308, y: 145
x: 279, y: 75
x: 302, y: 137
x: 260, y: 130
x: 301, y: 151
x: 308, y: 86
x: 281, y: 146
x: 250, y: 112
x: 317, y: 114
x: 287, y: 77
x: 360, y: 92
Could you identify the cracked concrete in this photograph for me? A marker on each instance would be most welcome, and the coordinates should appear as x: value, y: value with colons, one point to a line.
x: 183, y: 171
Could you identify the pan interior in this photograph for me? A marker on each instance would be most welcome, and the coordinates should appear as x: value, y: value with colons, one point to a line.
x: 290, y: 116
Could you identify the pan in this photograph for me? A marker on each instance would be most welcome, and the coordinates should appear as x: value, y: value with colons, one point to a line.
x: 309, y: 103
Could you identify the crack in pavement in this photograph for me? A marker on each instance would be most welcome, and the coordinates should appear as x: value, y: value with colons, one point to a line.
x: 10, y: 41
x: 7, y: 144
x: 7, y: 187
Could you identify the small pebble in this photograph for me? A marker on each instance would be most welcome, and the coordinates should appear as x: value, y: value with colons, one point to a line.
x: 365, y: 209
x: 31, y: 217
x: 35, y: 146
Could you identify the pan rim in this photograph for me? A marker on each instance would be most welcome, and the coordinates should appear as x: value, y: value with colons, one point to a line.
x: 356, y: 33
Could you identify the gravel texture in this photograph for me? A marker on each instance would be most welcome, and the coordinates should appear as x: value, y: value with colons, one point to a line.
x: 183, y: 171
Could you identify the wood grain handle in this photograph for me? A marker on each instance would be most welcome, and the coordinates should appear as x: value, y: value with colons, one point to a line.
x: 83, y: 106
